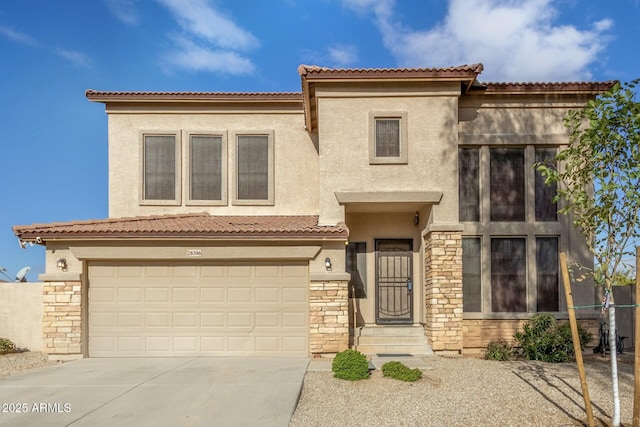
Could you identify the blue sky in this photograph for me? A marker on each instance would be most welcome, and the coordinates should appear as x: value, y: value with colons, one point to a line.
x: 54, y: 150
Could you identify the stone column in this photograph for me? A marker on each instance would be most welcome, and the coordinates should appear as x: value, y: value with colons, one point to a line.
x: 443, y: 288
x: 329, y: 315
x: 62, y: 319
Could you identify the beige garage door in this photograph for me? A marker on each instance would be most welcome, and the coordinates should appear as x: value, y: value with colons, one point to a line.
x: 198, y: 310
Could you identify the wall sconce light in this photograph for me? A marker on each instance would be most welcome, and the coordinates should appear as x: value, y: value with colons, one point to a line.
x: 416, y: 219
x: 327, y: 263
x: 62, y: 264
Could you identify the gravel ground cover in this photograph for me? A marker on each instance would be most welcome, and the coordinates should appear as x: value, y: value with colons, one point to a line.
x: 13, y: 363
x: 468, y: 392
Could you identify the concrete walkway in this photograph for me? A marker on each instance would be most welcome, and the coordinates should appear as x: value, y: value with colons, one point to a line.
x: 155, y: 392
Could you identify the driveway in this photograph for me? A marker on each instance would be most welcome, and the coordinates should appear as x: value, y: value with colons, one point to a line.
x: 200, y: 391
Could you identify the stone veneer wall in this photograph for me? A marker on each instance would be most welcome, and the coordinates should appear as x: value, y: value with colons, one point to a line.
x: 443, y: 290
x: 479, y: 333
x: 329, y: 317
x: 62, y: 318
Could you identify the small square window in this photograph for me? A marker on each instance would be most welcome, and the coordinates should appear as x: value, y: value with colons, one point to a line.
x: 388, y: 138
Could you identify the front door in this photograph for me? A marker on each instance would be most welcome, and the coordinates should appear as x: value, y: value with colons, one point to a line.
x: 394, y: 281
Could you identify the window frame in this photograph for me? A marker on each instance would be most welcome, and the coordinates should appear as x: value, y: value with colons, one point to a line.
x: 224, y: 160
x: 401, y: 116
x: 270, y: 200
x: 177, y: 200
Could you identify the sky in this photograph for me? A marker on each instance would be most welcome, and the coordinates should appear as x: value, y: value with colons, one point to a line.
x: 54, y: 145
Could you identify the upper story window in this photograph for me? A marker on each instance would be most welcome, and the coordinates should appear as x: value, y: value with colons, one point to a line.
x: 506, y: 184
x: 160, y: 169
x: 469, y: 184
x: 388, y: 138
x: 207, y: 169
x: 546, y: 208
x: 254, y: 178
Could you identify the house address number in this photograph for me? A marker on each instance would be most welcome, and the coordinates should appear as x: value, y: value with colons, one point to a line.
x: 194, y: 252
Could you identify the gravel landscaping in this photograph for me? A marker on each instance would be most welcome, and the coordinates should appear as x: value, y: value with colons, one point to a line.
x: 468, y: 392
x: 13, y: 363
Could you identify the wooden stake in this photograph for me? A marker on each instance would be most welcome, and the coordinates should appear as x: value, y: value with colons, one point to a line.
x: 576, y: 338
x: 636, y: 346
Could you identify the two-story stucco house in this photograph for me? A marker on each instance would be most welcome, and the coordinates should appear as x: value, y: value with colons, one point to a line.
x: 391, y: 210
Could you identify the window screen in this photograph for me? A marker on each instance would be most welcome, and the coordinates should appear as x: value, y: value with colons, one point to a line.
x: 471, y: 284
x: 253, y: 167
x: 507, y: 184
x: 205, y: 167
x: 469, y: 184
x: 159, y: 167
x: 387, y: 137
x: 508, y: 275
x: 546, y: 208
x: 547, y: 273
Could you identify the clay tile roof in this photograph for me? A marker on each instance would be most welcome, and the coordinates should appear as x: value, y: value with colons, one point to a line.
x: 547, y: 87
x: 198, y: 225
x: 101, y: 96
x: 315, y: 71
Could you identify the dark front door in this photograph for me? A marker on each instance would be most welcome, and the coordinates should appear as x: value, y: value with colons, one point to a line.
x: 394, y: 281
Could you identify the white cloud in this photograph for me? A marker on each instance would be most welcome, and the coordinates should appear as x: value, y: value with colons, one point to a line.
x: 18, y: 36
x: 515, y: 40
x: 342, y: 56
x: 124, y: 10
x: 199, y: 18
x: 209, y: 41
x: 77, y: 58
x: 191, y: 57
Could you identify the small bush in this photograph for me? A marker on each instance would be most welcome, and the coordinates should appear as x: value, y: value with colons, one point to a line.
x: 350, y: 365
x: 6, y: 346
x: 401, y: 372
x: 544, y: 339
x: 499, y: 350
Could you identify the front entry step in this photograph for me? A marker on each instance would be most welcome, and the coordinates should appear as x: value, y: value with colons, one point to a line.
x: 392, y: 339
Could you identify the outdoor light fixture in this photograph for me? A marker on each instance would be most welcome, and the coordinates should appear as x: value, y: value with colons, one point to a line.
x: 62, y: 264
x: 416, y: 218
x: 327, y: 263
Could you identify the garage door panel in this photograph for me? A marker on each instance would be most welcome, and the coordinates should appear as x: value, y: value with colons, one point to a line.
x: 189, y: 309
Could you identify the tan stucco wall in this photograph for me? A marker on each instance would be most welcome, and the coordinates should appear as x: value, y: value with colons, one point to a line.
x: 21, y: 314
x: 295, y: 162
x: 343, y: 128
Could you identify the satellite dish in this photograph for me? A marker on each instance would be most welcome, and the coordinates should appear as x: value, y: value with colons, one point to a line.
x: 21, y: 276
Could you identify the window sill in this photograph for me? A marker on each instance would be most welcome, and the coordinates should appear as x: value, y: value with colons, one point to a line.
x: 583, y: 314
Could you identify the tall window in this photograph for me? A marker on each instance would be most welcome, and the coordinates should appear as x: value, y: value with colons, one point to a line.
x: 508, y: 275
x: 507, y: 190
x: 387, y: 137
x: 253, y: 163
x: 547, y: 273
x: 546, y: 208
x: 205, y: 167
x: 471, y: 277
x: 469, y: 184
x: 159, y: 175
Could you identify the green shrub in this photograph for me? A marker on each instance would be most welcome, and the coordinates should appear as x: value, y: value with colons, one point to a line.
x: 401, y: 372
x: 499, y: 350
x: 543, y: 338
x: 6, y: 346
x: 350, y: 365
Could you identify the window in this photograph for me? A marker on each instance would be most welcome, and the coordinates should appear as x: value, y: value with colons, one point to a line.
x: 508, y: 275
x: 207, y: 169
x: 356, y: 265
x: 546, y: 208
x: 160, y: 169
x: 469, y: 184
x: 388, y: 138
x: 254, y: 169
x: 507, y: 190
x: 471, y: 278
x: 547, y: 274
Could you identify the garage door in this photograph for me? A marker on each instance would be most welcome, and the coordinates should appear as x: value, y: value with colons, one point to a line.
x: 198, y: 310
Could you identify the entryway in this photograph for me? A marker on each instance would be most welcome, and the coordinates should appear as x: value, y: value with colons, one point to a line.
x: 394, y: 281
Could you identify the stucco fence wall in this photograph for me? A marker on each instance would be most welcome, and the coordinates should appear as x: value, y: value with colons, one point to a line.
x: 21, y: 314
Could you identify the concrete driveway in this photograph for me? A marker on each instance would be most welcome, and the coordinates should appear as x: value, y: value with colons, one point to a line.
x: 121, y: 392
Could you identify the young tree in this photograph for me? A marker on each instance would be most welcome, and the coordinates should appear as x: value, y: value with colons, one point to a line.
x: 599, y: 182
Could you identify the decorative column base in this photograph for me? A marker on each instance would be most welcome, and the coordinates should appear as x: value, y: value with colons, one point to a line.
x: 329, y: 314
